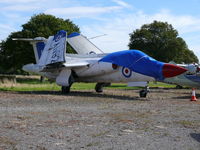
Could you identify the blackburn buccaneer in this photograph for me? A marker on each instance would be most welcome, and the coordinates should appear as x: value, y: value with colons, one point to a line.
x: 92, y: 65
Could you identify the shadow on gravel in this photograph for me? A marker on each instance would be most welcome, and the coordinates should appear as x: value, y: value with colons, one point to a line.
x: 182, y: 97
x: 186, y: 97
x: 195, y: 136
x: 84, y: 94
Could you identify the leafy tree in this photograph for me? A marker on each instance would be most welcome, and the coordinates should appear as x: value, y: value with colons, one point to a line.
x: 160, y: 40
x: 14, y: 54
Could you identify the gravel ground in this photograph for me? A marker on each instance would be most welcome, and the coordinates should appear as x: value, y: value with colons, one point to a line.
x: 115, y: 119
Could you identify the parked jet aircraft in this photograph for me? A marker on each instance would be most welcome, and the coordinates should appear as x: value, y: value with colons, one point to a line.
x: 190, y: 78
x: 123, y: 66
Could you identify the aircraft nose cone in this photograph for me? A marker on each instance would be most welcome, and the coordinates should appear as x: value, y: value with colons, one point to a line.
x: 170, y: 70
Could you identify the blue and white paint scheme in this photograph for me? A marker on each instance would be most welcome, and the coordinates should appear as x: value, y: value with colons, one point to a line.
x: 125, y: 66
x: 126, y: 72
x: 136, y: 61
x: 55, y: 49
x: 140, y: 62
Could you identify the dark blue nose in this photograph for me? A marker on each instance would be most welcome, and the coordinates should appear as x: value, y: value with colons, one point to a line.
x: 140, y: 62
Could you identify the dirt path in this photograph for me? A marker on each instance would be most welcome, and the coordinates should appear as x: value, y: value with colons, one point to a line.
x: 116, y: 119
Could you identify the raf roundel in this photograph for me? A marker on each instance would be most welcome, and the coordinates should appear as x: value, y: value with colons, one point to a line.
x: 126, y: 72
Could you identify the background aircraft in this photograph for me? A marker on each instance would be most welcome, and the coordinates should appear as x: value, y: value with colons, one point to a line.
x: 124, y: 66
x: 191, y: 78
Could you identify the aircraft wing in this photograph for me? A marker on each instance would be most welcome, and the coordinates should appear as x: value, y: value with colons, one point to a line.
x: 82, y: 45
x: 137, y: 84
x: 67, y: 65
x: 74, y: 64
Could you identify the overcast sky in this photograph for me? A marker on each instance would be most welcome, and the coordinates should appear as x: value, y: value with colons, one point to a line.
x: 116, y: 18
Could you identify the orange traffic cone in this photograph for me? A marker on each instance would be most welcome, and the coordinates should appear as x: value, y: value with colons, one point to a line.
x: 193, y: 95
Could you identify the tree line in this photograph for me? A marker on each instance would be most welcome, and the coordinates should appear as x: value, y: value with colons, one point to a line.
x: 158, y: 39
x: 15, y: 54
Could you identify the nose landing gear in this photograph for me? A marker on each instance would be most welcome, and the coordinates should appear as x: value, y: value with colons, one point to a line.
x: 99, y: 86
x: 143, y: 93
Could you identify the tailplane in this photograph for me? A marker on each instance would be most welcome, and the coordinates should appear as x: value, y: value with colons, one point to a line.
x: 38, y: 44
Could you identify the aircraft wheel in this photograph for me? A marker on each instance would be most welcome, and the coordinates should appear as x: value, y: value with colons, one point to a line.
x: 143, y: 93
x: 179, y: 87
x: 99, y: 87
x: 65, y: 89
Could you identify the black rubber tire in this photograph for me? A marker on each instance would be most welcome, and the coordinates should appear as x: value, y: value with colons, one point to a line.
x: 99, y: 87
x: 65, y: 89
x: 143, y: 93
x: 179, y: 87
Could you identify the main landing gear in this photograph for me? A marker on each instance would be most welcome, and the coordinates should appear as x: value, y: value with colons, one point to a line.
x: 143, y: 93
x: 179, y: 87
x: 99, y: 86
x: 66, y: 89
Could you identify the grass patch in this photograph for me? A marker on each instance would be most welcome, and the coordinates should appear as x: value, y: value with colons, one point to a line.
x: 189, y: 123
x: 32, y: 83
x: 30, y: 87
x: 161, y: 84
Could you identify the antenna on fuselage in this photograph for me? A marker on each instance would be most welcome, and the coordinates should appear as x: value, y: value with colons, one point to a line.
x: 97, y: 36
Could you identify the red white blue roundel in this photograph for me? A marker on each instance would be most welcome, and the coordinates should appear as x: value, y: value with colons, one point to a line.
x: 126, y: 72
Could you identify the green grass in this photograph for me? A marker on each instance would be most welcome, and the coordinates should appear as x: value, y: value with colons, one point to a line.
x: 189, y: 123
x: 161, y: 84
x: 33, y: 84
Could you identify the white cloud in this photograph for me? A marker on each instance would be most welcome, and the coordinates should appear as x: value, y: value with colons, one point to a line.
x: 18, y: 1
x: 184, y: 23
x: 5, y: 27
x: 122, y: 3
x: 119, y: 28
x: 196, y: 49
x: 20, y: 8
x: 5, y: 30
x: 77, y: 12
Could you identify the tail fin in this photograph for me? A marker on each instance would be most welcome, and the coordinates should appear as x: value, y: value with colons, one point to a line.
x: 54, y: 50
x: 38, y: 44
x: 48, y: 51
x: 82, y: 45
x: 38, y: 49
